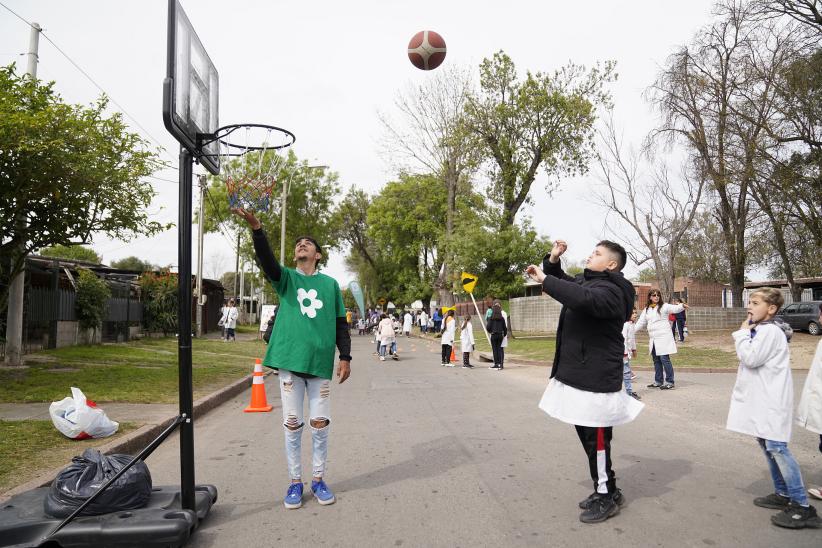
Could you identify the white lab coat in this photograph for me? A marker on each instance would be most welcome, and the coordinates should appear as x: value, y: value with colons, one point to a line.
x: 229, y: 318
x: 762, y: 399
x: 407, y: 322
x: 450, y: 331
x: 809, y: 412
x: 467, y: 338
x: 660, y: 336
x: 629, y: 335
x: 385, y: 332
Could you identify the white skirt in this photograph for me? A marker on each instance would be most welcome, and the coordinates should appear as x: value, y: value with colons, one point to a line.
x: 582, y: 408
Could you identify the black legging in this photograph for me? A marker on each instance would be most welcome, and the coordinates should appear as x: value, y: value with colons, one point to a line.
x: 496, y: 348
x: 446, y: 353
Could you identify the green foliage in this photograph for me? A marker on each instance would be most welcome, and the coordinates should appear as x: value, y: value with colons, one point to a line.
x: 71, y: 252
x: 646, y: 275
x: 66, y: 172
x: 133, y: 263
x: 160, y: 297
x: 309, y: 208
x: 92, y: 294
x: 498, y: 256
x: 348, y: 300
x: 541, y: 121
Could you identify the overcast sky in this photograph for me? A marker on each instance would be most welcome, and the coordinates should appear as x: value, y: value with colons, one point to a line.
x: 323, y: 69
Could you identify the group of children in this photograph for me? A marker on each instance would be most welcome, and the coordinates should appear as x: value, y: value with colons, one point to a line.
x: 586, y: 384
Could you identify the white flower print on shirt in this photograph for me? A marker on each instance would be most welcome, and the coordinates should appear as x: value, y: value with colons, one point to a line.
x: 309, y: 303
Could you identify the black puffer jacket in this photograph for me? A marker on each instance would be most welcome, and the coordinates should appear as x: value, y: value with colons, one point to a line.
x: 589, y: 336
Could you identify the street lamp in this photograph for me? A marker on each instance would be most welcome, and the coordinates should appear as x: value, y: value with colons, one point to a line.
x: 282, y: 210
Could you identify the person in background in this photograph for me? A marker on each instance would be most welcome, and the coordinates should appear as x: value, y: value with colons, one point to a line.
x: 809, y: 412
x: 762, y: 406
x: 449, y: 328
x: 466, y: 341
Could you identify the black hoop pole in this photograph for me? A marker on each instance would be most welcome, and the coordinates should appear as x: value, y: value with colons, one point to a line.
x: 184, y: 332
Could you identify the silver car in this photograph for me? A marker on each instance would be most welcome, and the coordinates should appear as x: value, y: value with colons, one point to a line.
x: 803, y: 316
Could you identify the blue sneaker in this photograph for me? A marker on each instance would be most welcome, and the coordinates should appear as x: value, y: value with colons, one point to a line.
x: 294, y: 496
x: 322, y: 492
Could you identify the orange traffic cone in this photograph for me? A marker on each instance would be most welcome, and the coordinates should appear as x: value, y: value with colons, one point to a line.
x: 453, y: 355
x: 258, y: 401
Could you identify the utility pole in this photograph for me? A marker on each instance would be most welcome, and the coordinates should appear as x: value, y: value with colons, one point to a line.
x: 237, y: 269
x: 200, y: 220
x: 17, y: 286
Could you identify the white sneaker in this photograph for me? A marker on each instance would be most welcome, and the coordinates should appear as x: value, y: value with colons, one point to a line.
x: 449, y: 365
x: 382, y: 358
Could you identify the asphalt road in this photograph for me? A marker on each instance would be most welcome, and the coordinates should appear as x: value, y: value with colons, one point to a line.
x: 422, y: 455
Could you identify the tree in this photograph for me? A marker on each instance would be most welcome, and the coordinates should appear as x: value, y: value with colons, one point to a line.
x: 71, y: 252
x: 498, y: 257
x: 134, y: 263
x: 700, y: 255
x: 646, y: 275
x: 710, y: 102
x: 657, y: 210
x: 310, y: 208
x: 432, y: 135
x: 160, y: 294
x: 405, y: 223
x: 66, y: 172
x: 542, y: 121
x: 92, y: 295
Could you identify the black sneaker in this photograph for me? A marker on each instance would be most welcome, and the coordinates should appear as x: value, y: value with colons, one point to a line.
x: 773, y: 501
x: 667, y: 386
x: 468, y: 366
x: 495, y: 366
x: 601, y: 508
x: 655, y: 385
x: 795, y: 516
x: 635, y: 396
x: 618, y: 498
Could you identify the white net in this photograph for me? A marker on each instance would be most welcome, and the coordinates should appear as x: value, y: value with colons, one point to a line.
x: 249, y: 164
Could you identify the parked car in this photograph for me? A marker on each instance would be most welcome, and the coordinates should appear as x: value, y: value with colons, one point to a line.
x: 803, y: 316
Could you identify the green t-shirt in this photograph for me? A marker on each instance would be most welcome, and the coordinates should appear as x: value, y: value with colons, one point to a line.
x: 305, y: 336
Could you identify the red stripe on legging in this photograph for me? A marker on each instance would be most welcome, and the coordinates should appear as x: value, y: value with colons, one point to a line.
x: 600, y: 439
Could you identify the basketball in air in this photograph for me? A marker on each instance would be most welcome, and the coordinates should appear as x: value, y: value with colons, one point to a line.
x: 426, y: 50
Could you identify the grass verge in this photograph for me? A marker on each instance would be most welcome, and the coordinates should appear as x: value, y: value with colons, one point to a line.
x: 29, y: 448
x: 142, y: 371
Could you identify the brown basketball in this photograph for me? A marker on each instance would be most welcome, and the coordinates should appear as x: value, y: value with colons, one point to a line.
x: 426, y: 50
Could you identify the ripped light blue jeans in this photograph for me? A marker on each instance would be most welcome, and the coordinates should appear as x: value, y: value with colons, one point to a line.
x: 293, y: 390
x: 787, y: 478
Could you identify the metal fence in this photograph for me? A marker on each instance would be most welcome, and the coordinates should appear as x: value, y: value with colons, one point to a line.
x: 43, y: 308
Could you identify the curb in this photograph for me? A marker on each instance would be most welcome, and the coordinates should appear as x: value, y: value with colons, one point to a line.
x: 134, y: 442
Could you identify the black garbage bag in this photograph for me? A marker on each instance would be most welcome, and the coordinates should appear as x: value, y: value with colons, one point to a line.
x: 84, y: 476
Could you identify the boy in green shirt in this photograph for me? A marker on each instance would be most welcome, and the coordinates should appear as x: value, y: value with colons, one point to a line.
x: 310, y: 323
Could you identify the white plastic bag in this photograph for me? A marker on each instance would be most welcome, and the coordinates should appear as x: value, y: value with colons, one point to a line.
x: 79, y: 419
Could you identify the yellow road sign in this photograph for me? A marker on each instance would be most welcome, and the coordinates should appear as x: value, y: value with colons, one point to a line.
x: 468, y: 281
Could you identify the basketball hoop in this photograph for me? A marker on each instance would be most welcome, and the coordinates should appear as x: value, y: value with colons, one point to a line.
x: 249, y: 160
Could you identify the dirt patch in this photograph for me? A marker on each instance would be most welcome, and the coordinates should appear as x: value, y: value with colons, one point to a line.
x: 803, y: 346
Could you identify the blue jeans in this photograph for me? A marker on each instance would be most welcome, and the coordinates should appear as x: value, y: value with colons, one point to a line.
x: 293, y: 392
x: 626, y: 375
x: 785, y: 473
x: 662, y: 363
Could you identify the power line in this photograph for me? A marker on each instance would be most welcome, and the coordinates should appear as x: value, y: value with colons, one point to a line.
x: 90, y: 79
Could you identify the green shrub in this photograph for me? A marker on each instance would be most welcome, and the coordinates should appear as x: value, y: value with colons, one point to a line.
x: 92, y: 294
x: 159, y: 296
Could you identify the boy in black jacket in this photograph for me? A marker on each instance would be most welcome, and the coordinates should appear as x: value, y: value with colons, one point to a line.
x: 586, y: 379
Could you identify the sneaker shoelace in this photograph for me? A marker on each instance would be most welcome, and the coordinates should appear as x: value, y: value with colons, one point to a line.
x: 294, y: 490
x: 321, y: 489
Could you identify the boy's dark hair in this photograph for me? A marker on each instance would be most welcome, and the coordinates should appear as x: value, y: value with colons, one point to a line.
x: 312, y: 240
x: 614, y: 247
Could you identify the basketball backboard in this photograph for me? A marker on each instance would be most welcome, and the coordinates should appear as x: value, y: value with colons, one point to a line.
x: 191, y: 89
